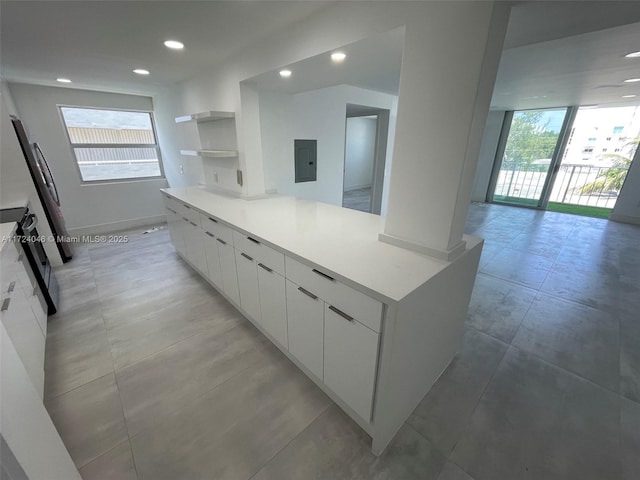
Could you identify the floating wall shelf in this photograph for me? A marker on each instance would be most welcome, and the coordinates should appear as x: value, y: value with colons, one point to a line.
x: 210, y: 153
x: 209, y: 116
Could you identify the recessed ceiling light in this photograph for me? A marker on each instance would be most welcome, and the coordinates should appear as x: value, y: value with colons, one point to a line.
x: 338, y: 57
x: 285, y: 73
x: 63, y: 80
x: 633, y: 55
x: 632, y: 80
x: 174, y: 44
x: 629, y: 96
x: 141, y: 71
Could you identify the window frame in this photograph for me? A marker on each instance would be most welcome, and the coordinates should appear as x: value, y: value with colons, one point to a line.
x: 73, y: 146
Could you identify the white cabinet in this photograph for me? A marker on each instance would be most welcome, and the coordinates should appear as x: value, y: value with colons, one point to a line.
x: 273, y: 303
x: 23, y: 324
x: 305, y: 322
x: 228, y: 270
x: 213, y: 259
x: 248, y: 284
x: 350, y: 359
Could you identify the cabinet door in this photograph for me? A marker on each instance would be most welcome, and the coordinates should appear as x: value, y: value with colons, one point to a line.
x: 194, y: 243
x: 181, y: 228
x: 273, y: 303
x: 228, y: 271
x: 248, y: 284
x: 213, y: 260
x: 25, y: 333
x: 305, y: 327
x: 350, y: 358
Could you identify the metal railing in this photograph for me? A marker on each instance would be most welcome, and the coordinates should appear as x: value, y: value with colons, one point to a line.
x: 588, y: 185
x: 574, y: 184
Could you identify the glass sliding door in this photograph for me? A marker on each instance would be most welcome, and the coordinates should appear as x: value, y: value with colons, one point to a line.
x: 528, y: 151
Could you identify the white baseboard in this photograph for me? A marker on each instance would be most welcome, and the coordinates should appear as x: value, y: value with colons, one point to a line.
x: 116, y: 226
x: 624, y: 219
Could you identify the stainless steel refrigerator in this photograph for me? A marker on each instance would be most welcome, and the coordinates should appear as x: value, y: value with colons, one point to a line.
x: 46, y: 188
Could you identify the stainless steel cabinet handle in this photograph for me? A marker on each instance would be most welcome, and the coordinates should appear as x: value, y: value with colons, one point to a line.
x: 265, y: 267
x: 213, y: 220
x: 185, y: 219
x: 186, y: 206
x: 12, y: 285
x: 307, y: 293
x: 246, y: 256
x: 221, y: 241
x: 253, y: 240
x: 324, y: 275
x: 209, y: 233
x: 341, y: 313
x: 192, y: 223
x: 5, y: 304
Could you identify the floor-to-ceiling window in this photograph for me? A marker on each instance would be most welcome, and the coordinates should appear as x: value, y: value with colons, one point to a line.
x: 530, y: 139
x: 572, y: 160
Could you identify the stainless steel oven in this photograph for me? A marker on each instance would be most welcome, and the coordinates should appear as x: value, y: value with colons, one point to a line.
x: 35, y: 258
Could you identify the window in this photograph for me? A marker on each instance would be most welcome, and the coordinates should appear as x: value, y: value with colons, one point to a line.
x: 617, y: 130
x: 112, y: 144
x: 592, y: 139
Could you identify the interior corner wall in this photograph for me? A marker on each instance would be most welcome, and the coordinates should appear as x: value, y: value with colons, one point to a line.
x: 315, y: 115
x: 87, y: 208
x: 627, y: 207
x: 487, y: 155
x: 179, y: 170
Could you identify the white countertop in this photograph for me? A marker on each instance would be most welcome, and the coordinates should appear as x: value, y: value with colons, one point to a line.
x: 343, y: 242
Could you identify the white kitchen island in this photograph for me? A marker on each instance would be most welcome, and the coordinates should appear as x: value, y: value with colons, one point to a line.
x: 374, y: 325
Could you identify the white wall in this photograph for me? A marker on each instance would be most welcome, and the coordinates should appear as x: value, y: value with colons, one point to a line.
x: 487, y: 155
x: 627, y: 207
x: 315, y: 115
x: 359, y: 152
x: 87, y: 208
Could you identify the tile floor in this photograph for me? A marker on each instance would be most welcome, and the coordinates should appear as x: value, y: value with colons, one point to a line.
x: 152, y: 375
x: 359, y: 199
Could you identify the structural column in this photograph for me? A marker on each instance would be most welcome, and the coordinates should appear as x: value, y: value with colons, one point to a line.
x: 449, y: 67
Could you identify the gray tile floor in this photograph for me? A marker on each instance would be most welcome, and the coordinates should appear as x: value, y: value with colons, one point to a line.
x: 152, y: 375
x: 359, y: 199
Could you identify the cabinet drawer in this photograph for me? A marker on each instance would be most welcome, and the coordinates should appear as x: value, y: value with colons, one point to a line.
x: 218, y: 229
x: 258, y: 250
x: 363, y: 308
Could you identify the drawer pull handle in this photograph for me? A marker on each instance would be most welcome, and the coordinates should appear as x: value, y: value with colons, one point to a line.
x: 341, y: 313
x: 192, y: 223
x: 324, y: 275
x: 185, y: 219
x: 213, y: 220
x: 5, y: 304
x: 187, y: 206
x: 12, y: 285
x: 253, y: 240
x: 246, y: 256
x: 307, y: 293
x: 210, y: 234
x: 265, y: 267
x: 221, y: 241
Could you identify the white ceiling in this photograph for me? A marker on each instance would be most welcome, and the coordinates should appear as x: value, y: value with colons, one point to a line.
x: 97, y: 44
x: 549, y: 52
x: 372, y: 63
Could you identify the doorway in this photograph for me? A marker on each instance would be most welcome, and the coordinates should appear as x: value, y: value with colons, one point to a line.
x: 366, y: 132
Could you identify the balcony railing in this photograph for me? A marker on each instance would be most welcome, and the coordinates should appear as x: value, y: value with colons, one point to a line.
x: 574, y: 184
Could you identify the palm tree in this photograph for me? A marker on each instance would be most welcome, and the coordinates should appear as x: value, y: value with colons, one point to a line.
x: 612, y: 178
